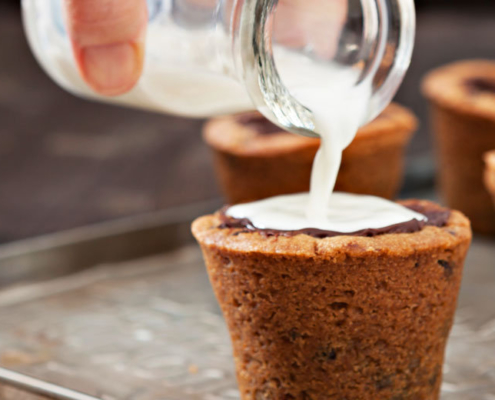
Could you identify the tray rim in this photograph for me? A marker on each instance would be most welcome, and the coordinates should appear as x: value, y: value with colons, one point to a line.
x: 57, y: 254
x: 117, y: 227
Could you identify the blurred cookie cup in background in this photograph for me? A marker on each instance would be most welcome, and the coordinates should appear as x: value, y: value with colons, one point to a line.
x: 255, y: 159
x: 462, y: 99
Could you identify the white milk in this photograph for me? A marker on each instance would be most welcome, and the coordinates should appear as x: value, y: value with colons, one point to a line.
x: 175, y: 79
x: 344, y: 213
x: 339, y: 108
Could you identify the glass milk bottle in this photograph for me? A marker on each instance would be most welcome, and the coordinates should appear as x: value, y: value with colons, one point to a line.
x: 210, y: 57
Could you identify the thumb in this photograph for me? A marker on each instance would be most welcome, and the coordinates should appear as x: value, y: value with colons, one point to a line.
x: 108, y: 42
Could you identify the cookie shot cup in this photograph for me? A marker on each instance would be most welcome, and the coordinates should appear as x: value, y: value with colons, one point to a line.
x: 462, y: 102
x: 316, y: 316
x: 254, y: 159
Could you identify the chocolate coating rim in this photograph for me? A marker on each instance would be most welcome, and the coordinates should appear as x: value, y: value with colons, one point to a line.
x: 477, y: 85
x: 258, y: 123
x: 435, y: 217
x: 237, y: 242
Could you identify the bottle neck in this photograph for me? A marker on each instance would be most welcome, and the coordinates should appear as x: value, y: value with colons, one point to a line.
x: 373, y: 43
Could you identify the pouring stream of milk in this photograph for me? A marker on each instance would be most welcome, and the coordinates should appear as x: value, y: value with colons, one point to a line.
x: 339, y: 108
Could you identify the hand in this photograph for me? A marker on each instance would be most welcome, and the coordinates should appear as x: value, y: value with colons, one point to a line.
x: 108, y: 39
x: 108, y: 36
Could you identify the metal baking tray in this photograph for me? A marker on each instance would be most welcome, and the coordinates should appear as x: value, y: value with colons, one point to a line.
x: 124, y: 311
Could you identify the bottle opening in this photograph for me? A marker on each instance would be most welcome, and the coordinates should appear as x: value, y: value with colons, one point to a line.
x: 297, y: 51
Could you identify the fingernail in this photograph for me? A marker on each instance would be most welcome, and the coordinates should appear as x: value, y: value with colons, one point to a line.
x: 112, y: 69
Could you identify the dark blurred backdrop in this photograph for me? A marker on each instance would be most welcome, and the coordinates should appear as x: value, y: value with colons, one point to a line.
x: 66, y: 162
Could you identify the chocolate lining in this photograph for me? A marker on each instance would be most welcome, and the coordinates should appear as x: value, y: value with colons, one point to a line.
x: 258, y: 123
x: 481, y: 85
x: 435, y: 217
x: 264, y: 126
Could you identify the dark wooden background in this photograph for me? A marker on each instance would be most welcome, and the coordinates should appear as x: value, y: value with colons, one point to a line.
x: 66, y: 162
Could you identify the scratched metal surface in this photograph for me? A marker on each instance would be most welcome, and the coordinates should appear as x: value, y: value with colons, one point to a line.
x: 149, y: 329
